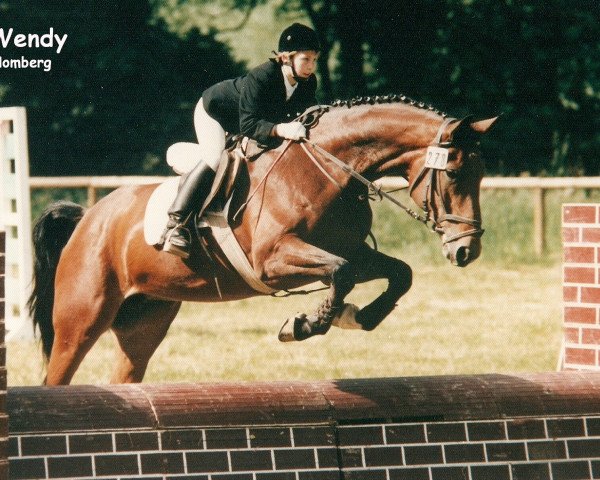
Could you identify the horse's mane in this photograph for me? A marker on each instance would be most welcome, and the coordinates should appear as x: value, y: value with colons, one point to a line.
x: 392, y: 98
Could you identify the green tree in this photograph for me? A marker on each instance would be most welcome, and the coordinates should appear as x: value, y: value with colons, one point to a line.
x: 536, y: 61
x: 120, y: 92
x: 539, y: 63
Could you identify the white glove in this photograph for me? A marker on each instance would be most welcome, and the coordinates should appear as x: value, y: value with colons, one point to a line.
x: 291, y: 130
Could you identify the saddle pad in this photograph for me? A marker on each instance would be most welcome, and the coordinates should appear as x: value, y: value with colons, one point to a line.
x: 156, y: 216
x: 155, y: 221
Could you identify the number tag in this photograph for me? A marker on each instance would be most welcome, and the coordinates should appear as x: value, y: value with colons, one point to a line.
x: 436, y: 157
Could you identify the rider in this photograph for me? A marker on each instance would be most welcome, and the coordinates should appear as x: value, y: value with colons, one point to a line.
x: 259, y: 105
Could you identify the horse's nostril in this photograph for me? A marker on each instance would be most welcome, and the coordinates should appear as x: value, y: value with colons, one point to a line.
x: 462, y: 255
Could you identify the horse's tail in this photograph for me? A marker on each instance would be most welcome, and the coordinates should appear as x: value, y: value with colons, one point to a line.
x: 51, y: 232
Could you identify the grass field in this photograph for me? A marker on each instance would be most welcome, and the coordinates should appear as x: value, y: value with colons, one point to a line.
x: 501, y: 314
x: 452, y: 321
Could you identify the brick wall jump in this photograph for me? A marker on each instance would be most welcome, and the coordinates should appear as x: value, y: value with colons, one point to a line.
x: 543, y: 426
x: 581, y: 286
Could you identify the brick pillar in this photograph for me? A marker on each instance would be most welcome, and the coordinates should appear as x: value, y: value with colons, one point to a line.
x: 3, y: 416
x: 581, y: 286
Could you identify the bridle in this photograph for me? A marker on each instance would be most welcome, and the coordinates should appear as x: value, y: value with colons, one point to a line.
x: 432, y: 175
x: 433, y: 179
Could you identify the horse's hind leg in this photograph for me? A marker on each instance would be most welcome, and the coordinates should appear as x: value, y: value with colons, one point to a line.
x: 79, y: 319
x: 140, y: 327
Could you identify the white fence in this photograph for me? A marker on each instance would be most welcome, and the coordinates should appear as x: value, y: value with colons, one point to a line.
x: 537, y: 185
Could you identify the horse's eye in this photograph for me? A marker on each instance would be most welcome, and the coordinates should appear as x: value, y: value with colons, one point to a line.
x: 452, y: 174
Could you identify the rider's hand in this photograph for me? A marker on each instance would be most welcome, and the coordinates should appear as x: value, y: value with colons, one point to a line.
x: 291, y: 130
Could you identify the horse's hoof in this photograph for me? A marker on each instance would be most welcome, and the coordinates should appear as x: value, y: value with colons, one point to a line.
x: 346, y: 319
x: 286, y: 333
x: 290, y: 328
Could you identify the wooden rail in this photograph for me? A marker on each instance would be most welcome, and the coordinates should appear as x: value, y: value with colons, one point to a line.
x: 537, y: 185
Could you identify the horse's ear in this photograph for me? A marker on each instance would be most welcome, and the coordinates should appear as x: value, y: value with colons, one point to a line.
x: 460, y: 129
x: 466, y: 130
x: 483, y: 126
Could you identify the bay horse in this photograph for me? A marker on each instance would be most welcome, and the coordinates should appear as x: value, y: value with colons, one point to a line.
x: 93, y: 271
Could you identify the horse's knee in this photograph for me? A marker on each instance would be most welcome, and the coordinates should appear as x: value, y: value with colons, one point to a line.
x: 401, y: 279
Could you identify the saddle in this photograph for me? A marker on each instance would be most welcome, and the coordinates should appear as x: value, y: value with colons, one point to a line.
x: 231, y: 176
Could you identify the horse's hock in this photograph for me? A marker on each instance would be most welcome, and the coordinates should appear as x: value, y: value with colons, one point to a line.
x: 526, y: 426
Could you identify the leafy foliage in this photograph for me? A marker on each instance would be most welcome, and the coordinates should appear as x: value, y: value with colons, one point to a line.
x: 124, y: 87
x: 535, y: 61
x: 120, y: 92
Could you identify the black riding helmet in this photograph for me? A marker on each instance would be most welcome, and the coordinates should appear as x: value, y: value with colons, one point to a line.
x: 298, y: 37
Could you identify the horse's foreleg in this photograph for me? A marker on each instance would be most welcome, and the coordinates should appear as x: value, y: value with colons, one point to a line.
x: 140, y: 327
x: 304, y: 326
x: 295, y: 259
x: 372, y: 265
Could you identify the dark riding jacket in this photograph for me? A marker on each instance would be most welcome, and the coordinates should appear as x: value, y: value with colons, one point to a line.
x: 253, y: 103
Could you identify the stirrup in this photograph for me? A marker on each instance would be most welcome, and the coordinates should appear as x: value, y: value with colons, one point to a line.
x: 182, y: 251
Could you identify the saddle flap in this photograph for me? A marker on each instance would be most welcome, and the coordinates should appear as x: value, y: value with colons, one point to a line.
x: 224, y: 182
x: 156, y: 214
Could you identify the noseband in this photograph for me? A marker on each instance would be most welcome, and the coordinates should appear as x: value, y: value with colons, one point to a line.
x: 433, y: 179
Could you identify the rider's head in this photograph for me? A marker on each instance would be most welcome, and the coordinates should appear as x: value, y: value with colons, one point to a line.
x: 298, y: 50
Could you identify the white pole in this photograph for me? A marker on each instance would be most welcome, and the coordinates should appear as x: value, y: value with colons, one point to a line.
x: 15, y: 210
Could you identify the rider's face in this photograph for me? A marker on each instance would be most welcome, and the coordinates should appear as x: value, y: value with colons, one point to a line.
x: 305, y: 63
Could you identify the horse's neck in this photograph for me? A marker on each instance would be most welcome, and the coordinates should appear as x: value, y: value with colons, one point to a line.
x: 380, y: 140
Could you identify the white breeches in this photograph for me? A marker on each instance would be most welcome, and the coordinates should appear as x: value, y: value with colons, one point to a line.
x: 211, y: 136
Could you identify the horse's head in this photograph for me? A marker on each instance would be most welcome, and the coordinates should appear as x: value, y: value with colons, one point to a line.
x: 439, y: 156
x: 446, y: 181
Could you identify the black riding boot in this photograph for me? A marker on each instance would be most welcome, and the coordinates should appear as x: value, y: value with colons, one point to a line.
x: 192, y: 193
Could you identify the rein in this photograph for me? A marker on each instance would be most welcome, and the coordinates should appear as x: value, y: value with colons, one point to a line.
x: 373, y: 188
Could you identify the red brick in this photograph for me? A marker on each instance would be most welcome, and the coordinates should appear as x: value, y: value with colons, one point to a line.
x: 590, y: 336
x: 571, y: 335
x: 570, y: 294
x: 591, y: 235
x: 579, y: 214
x: 579, y: 275
x: 580, y: 315
x: 580, y: 356
x: 570, y: 234
x: 579, y: 254
x: 590, y: 295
